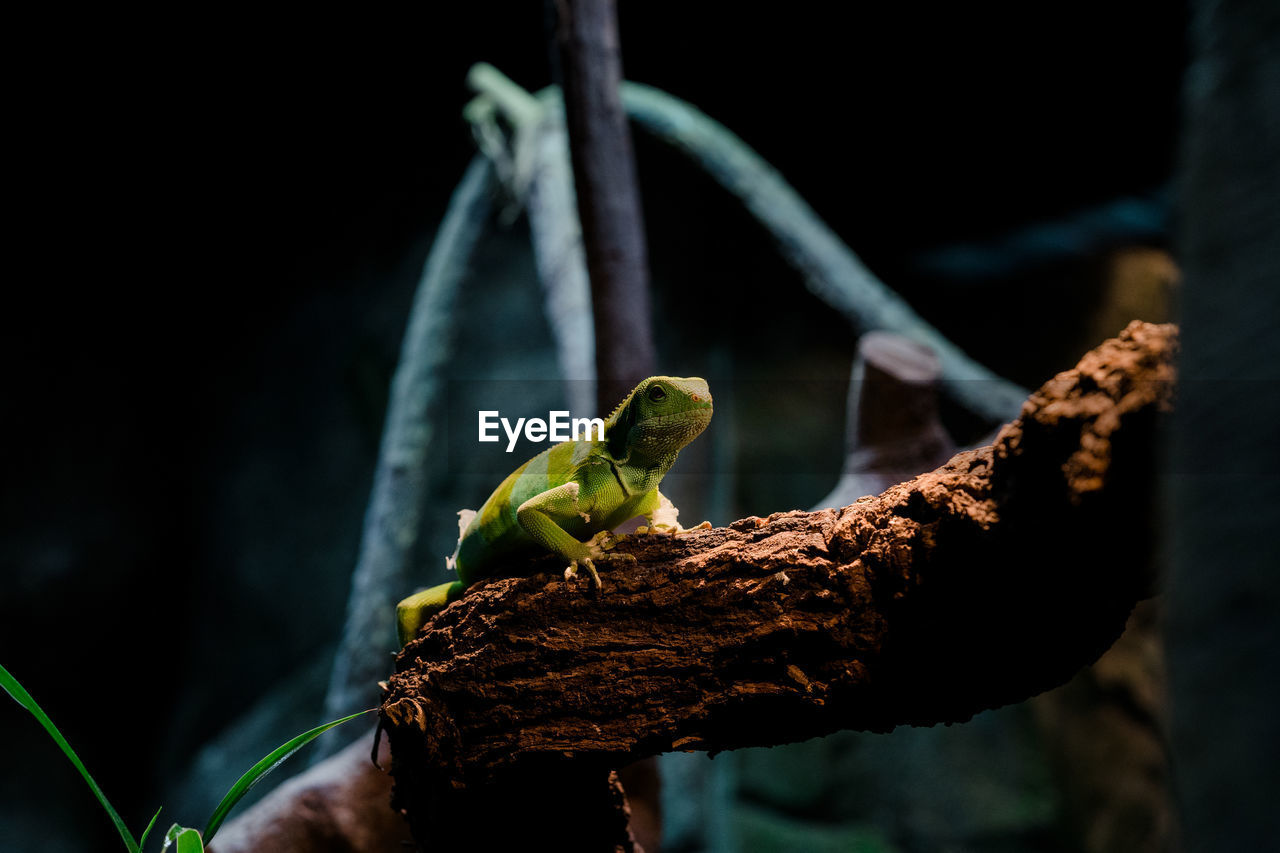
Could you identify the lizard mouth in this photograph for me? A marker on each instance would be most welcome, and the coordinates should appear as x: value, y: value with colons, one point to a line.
x: 686, y: 425
x: 702, y: 416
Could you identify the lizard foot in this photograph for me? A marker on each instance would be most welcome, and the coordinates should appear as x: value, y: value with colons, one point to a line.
x: 571, y: 571
x: 598, y: 550
x: 661, y: 529
x: 602, y: 542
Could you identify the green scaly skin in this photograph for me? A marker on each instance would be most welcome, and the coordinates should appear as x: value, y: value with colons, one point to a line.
x: 568, y: 497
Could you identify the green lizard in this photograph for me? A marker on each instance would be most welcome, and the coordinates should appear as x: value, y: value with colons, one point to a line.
x: 569, y: 497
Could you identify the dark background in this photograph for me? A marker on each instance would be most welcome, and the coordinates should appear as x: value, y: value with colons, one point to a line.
x: 218, y: 226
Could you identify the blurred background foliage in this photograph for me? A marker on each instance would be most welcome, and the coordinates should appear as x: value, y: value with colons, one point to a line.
x: 221, y: 223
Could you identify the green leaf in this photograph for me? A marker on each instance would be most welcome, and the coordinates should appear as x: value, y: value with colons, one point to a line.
x: 262, y: 768
x: 188, y: 839
x: 142, y: 842
x: 23, y: 698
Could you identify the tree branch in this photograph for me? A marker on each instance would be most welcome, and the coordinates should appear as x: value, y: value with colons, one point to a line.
x: 604, y: 175
x: 982, y: 583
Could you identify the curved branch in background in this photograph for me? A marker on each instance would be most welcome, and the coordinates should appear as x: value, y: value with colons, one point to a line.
x: 536, y: 165
x: 533, y: 162
x: 394, y: 515
x: 987, y: 581
x: 830, y: 268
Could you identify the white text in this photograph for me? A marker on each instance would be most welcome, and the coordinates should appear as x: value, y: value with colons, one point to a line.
x: 558, y: 427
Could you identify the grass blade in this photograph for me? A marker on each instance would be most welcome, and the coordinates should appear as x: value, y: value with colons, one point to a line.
x: 23, y: 698
x: 188, y: 840
x: 142, y: 842
x: 262, y: 768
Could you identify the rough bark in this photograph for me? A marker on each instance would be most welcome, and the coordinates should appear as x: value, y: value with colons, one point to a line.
x: 984, y: 582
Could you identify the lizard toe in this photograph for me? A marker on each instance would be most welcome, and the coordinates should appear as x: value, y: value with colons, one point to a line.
x: 591, y: 568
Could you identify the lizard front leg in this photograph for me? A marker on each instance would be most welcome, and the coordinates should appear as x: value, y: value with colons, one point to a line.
x: 540, y: 517
x: 662, y: 516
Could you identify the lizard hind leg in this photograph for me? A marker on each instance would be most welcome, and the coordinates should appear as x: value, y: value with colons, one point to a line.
x: 413, y: 612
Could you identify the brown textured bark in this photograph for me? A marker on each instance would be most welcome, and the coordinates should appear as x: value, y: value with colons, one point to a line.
x: 984, y: 582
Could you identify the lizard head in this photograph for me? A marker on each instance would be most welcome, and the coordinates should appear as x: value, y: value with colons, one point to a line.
x: 660, y: 416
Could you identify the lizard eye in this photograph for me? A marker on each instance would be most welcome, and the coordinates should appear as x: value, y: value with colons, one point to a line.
x: 656, y: 394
